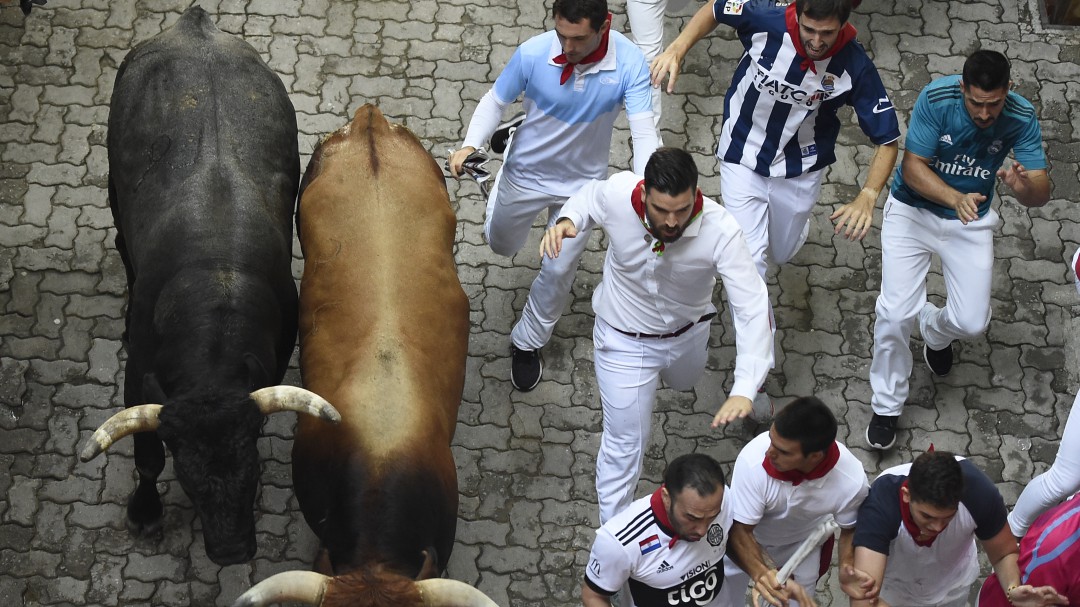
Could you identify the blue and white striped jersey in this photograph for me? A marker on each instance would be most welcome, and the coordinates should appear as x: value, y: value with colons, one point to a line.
x: 780, y: 119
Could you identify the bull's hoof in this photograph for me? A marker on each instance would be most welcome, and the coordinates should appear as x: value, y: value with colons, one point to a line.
x: 144, y: 511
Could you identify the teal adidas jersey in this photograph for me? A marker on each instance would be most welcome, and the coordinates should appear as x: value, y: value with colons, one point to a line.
x: 963, y: 155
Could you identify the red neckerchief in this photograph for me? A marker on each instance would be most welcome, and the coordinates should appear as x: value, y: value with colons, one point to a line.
x: 592, y: 57
x: 847, y: 34
x: 909, y: 521
x: 639, y: 208
x: 657, y: 503
x: 796, y: 477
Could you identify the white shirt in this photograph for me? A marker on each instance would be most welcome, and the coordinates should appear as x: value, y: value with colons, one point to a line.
x: 785, y: 513
x: 635, y: 546
x: 643, y: 292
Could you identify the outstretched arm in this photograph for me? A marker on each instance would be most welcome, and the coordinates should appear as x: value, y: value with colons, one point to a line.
x: 1031, y: 188
x: 1003, y: 553
x: 668, y: 63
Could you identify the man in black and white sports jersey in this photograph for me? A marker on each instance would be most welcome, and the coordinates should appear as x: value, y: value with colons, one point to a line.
x: 668, y: 545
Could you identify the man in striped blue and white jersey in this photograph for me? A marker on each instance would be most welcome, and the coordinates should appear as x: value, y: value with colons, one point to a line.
x: 800, y: 66
x: 959, y: 137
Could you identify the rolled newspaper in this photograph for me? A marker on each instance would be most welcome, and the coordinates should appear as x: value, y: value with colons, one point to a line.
x: 825, y: 529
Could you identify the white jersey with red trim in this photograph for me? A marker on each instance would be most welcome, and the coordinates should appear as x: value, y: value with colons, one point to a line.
x: 785, y: 513
x: 636, y: 546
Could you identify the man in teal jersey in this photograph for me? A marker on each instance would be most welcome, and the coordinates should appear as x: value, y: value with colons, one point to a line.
x: 959, y: 136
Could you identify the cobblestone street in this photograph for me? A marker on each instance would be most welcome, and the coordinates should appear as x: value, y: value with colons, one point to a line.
x: 525, y: 460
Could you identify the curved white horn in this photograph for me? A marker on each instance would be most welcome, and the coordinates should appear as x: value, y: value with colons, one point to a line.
x: 290, y: 398
x: 440, y: 592
x: 141, y: 418
x: 305, y: 587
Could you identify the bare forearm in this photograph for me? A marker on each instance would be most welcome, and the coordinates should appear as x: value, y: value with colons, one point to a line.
x: 700, y: 25
x: 847, y: 547
x: 744, y: 551
x: 921, y: 178
x: 881, y: 166
x: 1037, y: 192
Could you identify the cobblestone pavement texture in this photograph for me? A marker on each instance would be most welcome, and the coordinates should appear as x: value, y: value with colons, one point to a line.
x: 525, y: 461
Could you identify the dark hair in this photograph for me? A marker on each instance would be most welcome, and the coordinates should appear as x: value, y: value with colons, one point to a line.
x: 809, y: 421
x: 670, y: 171
x: 936, y: 478
x: 698, y: 471
x: 595, y: 11
x: 820, y: 10
x: 986, y: 70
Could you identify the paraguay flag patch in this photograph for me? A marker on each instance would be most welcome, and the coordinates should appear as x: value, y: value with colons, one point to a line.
x: 649, y: 544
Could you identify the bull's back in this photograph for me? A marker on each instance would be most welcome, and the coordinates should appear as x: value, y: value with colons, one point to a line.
x: 383, y: 334
x: 202, y: 146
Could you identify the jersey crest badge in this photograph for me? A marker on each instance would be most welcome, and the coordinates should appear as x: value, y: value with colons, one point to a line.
x: 995, y: 147
x: 649, y: 544
x: 828, y: 83
x: 716, y: 535
x: 733, y: 7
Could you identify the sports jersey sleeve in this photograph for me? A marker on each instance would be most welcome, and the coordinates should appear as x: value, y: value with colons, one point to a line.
x: 511, y: 82
x: 1028, y: 148
x: 609, y: 566
x: 730, y: 12
x: 924, y: 128
x: 849, y: 515
x: 983, y: 501
x: 877, y: 116
x: 879, y: 516
x: 747, y: 490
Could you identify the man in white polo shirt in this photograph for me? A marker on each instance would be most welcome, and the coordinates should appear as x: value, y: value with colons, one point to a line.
x: 667, y: 245
x: 575, y: 80
x: 917, y: 530
x: 785, y: 482
x: 668, y: 545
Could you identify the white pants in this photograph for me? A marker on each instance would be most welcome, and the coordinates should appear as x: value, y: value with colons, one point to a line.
x: 909, y: 236
x: 647, y: 26
x: 1054, y: 485
x: 628, y: 371
x: 511, y: 211
x: 736, y: 591
x: 773, y: 212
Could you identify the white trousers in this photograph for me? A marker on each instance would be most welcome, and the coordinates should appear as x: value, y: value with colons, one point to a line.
x: 909, y: 236
x: 647, y: 26
x: 736, y: 591
x: 511, y: 211
x: 1054, y: 485
x: 773, y: 212
x: 628, y: 371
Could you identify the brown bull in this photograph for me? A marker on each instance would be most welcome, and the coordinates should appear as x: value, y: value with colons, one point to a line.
x: 384, y: 327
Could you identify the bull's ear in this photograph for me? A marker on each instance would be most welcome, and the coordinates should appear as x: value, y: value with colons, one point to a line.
x: 151, y: 389
x: 257, y: 375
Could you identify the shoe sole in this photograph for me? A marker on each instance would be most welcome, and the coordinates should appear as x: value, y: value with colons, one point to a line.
x: 873, y: 445
x: 926, y: 359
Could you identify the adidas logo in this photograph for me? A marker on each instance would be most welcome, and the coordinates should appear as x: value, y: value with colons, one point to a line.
x: 946, y: 139
x: 664, y: 566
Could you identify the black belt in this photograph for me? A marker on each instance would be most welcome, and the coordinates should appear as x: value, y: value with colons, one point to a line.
x: 675, y: 333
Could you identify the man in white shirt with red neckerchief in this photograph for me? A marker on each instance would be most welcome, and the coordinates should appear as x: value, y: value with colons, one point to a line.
x: 667, y: 245
x: 785, y: 482
x: 668, y: 547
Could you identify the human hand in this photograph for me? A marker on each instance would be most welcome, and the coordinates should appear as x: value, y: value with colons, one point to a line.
x: 766, y: 588
x: 856, y: 217
x: 458, y: 158
x: 1030, y: 596
x: 735, y: 407
x: 967, y: 208
x: 665, y: 65
x: 551, y: 243
x: 858, y: 584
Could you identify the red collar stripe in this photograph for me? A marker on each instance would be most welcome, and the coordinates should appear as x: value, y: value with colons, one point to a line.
x: 592, y: 57
x: 638, y: 202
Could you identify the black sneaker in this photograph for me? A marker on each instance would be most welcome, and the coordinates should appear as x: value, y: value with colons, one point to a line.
x: 939, y: 361
x: 526, y: 368
x: 881, y: 433
x: 500, y: 139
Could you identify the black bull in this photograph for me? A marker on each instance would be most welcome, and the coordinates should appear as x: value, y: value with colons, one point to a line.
x: 203, y: 174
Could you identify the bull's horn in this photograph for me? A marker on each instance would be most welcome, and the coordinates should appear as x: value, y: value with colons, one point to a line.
x: 439, y: 592
x: 305, y: 587
x: 290, y: 398
x: 142, y: 418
